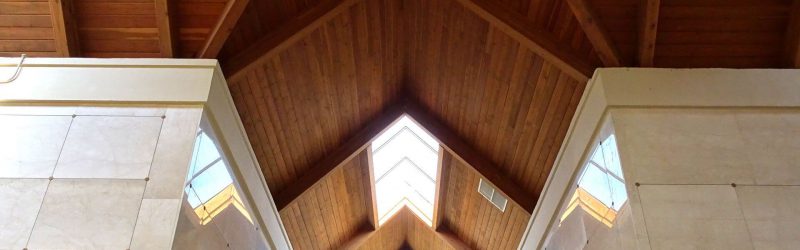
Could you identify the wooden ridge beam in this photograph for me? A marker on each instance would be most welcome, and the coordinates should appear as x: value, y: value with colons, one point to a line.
x: 283, y: 37
x: 64, y: 28
x: 597, y: 34
x: 166, y: 29
x: 465, y: 153
x: 792, y: 49
x: 536, y: 39
x: 223, y: 28
x: 338, y: 157
x: 648, y: 29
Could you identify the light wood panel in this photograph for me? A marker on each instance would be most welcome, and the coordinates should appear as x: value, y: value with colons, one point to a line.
x: 421, y: 237
x: 502, y: 99
x: 474, y: 219
x: 392, y: 235
x: 304, y: 102
x: 26, y: 27
x: 333, y: 211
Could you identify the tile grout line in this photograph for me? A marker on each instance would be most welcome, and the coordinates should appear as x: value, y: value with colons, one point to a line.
x: 147, y: 179
x: 741, y: 212
x: 644, y: 219
x: 50, y: 181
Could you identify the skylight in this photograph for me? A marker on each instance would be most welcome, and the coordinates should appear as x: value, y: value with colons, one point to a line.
x: 405, y: 159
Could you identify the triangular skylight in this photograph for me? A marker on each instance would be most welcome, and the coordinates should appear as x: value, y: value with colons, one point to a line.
x: 405, y: 159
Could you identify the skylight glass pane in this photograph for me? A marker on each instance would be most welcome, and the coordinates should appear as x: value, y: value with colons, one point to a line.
x: 595, y: 181
x: 205, y: 153
x: 405, y: 160
x: 611, y: 156
x: 211, y: 181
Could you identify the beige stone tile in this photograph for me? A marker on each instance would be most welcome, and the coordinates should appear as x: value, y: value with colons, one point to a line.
x: 772, y: 145
x: 237, y: 230
x: 30, y: 145
x: 109, y: 147
x: 88, y: 214
x: 173, y: 154
x: 772, y: 214
x: 20, y: 200
x: 120, y: 111
x: 155, y: 225
x: 693, y: 217
x: 37, y: 110
x: 681, y: 146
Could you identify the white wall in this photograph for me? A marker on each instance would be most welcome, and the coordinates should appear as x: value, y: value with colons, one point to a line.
x: 80, y: 177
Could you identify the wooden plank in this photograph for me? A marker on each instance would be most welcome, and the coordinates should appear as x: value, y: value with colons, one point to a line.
x: 65, y: 30
x: 166, y: 28
x: 219, y: 34
x: 597, y: 34
x: 648, y: 29
x: 447, y: 236
x: 442, y: 177
x: 283, y: 37
x: 358, y: 240
x: 338, y: 157
x: 793, y: 37
x: 467, y: 154
x: 536, y: 39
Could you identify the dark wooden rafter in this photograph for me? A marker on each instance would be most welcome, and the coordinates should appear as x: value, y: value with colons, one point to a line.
x: 64, y: 28
x: 536, y: 39
x: 596, y: 33
x: 223, y: 28
x: 164, y: 10
x: 648, y: 29
x: 793, y: 37
x: 338, y: 157
x: 471, y: 157
x: 284, y: 36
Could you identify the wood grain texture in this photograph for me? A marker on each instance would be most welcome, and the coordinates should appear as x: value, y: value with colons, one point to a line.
x: 648, y: 31
x: 223, y: 28
x: 474, y: 219
x: 64, y: 28
x: 26, y: 27
x: 596, y: 33
x: 333, y: 211
x: 392, y: 235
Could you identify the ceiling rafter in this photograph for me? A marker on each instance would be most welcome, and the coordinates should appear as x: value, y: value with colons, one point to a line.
x: 338, y: 157
x: 283, y: 37
x: 596, y: 33
x: 64, y: 28
x: 793, y: 37
x: 536, y: 39
x: 648, y: 29
x: 223, y: 28
x: 462, y: 151
x: 166, y: 28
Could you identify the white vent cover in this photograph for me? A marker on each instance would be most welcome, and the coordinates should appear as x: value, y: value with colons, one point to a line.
x: 491, y: 194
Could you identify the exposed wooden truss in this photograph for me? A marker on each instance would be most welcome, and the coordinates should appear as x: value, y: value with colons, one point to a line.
x: 536, y: 39
x: 223, y: 28
x: 284, y: 36
x: 166, y: 28
x: 793, y: 37
x: 596, y: 33
x: 64, y: 28
x: 338, y: 157
x: 648, y: 29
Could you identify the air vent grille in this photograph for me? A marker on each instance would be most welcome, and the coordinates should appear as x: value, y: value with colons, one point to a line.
x: 491, y: 194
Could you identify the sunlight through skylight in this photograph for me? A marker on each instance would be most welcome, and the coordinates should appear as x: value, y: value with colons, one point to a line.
x: 405, y: 159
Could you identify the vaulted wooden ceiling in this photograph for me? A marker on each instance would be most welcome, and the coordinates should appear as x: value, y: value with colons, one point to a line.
x: 315, y: 80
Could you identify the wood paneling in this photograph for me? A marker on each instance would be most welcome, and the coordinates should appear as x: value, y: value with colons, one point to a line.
x: 26, y: 27
x: 422, y: 237
x: 125, y: 28
x: 304, y: 102
x: 392, y: 235
x: 195, y: 19
x: 474, y: 219
x: 333, y: 211
x: 506, y: 102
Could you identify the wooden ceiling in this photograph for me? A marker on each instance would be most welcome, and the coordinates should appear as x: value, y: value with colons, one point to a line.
x: 496, y: 81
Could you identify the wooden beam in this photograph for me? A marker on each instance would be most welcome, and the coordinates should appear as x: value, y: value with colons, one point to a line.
x: 227, y: 21
x: 338, y: 157
x: 166, y: 28
x: 465, y: 153
x: 371, y: 200
x: 793, y: 37
x: 64, y: 28
x: 283, y: 37
x: 648, y: 29
x: 596, y: 33
x: 536, y: 39
x: 443, y: 177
